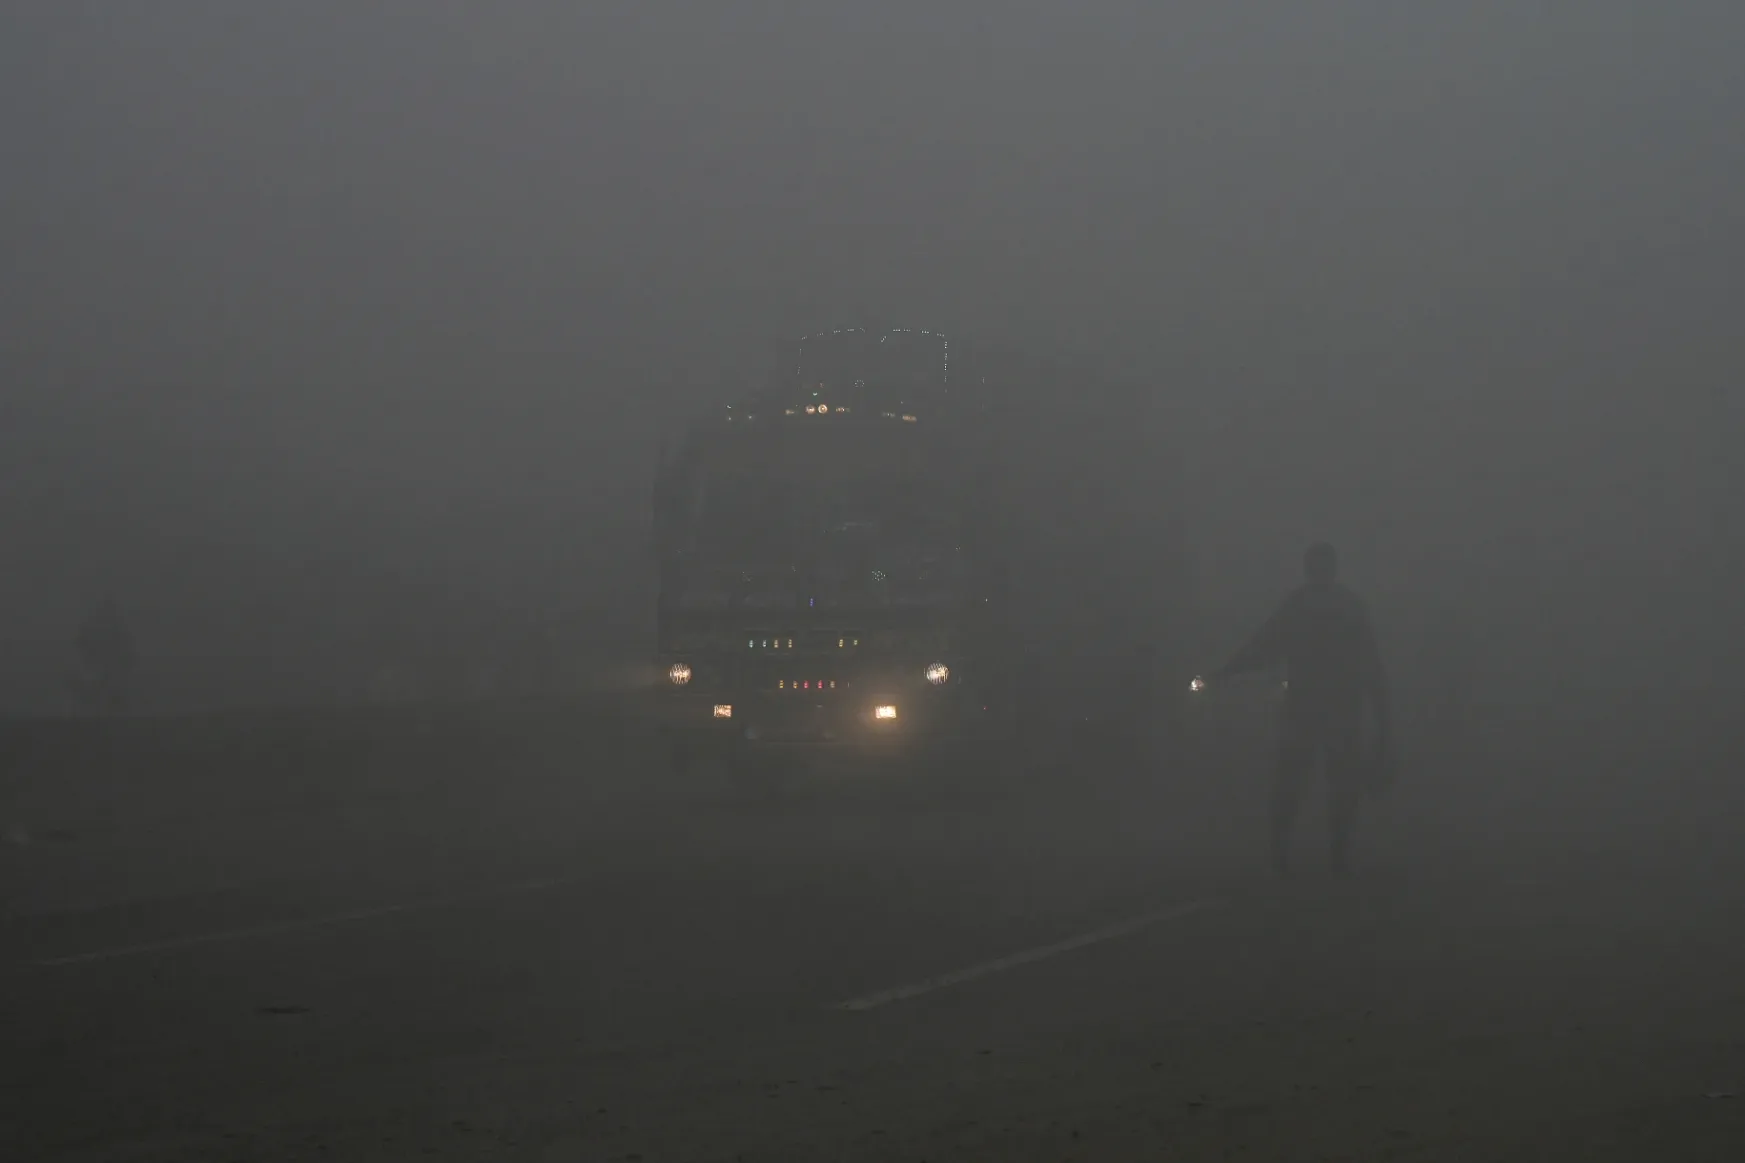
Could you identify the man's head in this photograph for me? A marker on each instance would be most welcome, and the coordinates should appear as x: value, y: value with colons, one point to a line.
x: 1321, y: 563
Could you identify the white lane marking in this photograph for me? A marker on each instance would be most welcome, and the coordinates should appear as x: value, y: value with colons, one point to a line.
x: 958, y: 977
x: 171, y: 944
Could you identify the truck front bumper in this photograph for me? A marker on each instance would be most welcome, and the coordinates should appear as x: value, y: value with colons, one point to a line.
x: 864, y: 722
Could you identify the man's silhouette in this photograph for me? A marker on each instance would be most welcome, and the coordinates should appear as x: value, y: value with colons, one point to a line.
x: 1322, y: 634
x: 106, y: 656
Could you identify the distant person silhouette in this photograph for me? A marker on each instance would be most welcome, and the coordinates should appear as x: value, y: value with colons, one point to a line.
x: 106, y: 655
x: 1323, y: 635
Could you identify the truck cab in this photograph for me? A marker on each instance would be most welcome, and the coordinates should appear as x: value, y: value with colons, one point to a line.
x: 830, y: 578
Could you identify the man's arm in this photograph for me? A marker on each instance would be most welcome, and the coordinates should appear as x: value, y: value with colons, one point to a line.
x: 1265, y: 649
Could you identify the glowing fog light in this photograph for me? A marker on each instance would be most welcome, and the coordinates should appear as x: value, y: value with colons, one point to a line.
x: 886, y: 712
x: 723, y: 710
x: 679, y: 673
x: 937, y: 673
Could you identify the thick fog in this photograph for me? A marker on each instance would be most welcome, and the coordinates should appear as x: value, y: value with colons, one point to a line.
x: 330, y: 325
x: 353, y: 360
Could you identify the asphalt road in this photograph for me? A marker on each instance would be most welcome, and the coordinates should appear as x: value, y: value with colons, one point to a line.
x: 1083, y: 966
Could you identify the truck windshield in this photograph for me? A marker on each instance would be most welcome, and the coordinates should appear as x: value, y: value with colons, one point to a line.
x: 746, y: 519
x: 769, y: 518
x: 844, y: 542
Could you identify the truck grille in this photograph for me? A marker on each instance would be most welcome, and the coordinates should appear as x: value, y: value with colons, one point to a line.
x: 805, y: 675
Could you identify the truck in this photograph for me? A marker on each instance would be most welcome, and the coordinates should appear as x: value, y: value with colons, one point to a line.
x: 832, y: 562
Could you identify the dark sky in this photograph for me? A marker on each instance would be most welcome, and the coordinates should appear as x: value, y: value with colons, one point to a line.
x: 304, y: 298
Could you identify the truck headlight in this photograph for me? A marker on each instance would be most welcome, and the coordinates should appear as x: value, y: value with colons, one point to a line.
x: 886, y: 712
x: 679, y: 673
x: 937, y: 673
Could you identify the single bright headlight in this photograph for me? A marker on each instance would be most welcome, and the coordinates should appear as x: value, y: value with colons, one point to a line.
x: 1198, y: 685
x: 885, y: 712
x: 679, y: 673
x: 723, y: 710
x: 937, y: 673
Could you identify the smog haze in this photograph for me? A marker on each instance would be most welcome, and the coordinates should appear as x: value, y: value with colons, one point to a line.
x: 323, y: 300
